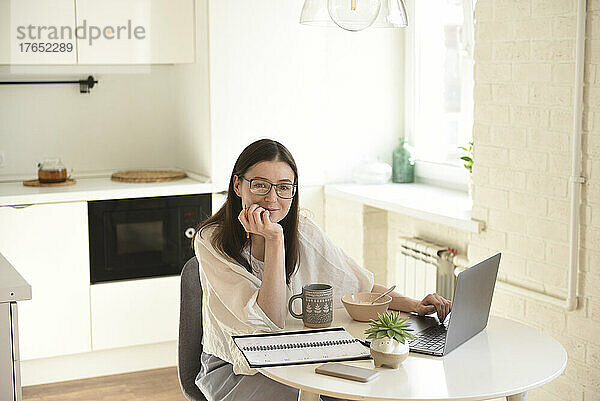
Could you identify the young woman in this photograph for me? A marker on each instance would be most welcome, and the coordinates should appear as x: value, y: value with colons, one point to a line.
x: 254, y: 254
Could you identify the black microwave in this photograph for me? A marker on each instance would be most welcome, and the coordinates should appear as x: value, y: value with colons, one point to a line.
x: 143, y: 237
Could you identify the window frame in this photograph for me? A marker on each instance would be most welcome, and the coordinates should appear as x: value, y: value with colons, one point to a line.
x: 449, y: 173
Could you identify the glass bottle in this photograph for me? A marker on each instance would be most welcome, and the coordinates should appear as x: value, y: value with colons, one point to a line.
x: 403, y: 166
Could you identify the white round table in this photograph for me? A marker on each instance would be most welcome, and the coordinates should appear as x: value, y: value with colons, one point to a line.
x: 505, y: 360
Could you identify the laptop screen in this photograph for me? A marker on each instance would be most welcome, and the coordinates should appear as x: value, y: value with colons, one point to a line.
x: 472, y: 302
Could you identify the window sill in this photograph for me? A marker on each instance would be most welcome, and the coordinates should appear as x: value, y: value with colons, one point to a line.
x: 434, y: 204
x: 442, y: 174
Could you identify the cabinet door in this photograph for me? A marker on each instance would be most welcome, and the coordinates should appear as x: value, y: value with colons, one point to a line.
x: 218, y: 199
x: 48, y: 245
x: 134, y: 312
x: 24, y: 22
x: 136, y: 31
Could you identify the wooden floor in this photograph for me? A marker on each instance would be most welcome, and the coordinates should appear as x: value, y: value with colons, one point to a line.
x: 150, y: 385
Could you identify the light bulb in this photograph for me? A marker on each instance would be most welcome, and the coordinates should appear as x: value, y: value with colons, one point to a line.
x: 353, y: 15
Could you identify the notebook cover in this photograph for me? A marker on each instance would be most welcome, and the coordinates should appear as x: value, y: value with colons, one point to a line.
x: 300, y: 332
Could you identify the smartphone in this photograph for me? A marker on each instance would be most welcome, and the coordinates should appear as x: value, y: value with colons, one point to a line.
x: 347, y: 372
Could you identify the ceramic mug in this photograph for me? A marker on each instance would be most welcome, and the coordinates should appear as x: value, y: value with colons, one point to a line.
x: 317, y: 305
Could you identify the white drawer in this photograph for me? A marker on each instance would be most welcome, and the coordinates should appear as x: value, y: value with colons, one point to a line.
x: 134, y: 312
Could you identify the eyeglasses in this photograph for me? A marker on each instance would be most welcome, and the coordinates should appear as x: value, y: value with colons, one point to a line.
x: 258, y: 186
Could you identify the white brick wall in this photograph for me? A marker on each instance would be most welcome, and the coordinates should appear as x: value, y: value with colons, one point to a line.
x: 524, y: 80
x: 375, y: 246
x: 344, y: 225
x: 311, y: 203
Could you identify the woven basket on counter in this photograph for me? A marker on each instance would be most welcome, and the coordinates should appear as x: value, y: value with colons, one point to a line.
x: 148, y: 175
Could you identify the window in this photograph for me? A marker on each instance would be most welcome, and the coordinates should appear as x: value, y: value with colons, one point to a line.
x: 439, y: 85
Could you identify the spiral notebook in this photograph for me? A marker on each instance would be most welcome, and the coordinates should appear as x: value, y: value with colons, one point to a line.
x: 299, y: 347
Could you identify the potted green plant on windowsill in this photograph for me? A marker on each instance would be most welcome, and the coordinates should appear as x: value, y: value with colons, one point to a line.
x: 390, y: 334
x: 467, y: 157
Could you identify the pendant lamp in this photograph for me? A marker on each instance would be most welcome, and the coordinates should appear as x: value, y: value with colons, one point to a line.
x: 315, y: 13
x: 354, y: 15
x: 392, y: 15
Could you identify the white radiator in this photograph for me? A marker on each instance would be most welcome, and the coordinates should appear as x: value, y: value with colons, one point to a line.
x: 423, y: 267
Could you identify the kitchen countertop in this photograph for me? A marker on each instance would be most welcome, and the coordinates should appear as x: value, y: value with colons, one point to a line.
x: 100, y: 188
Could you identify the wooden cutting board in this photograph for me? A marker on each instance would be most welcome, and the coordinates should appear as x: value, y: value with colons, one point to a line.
x: 148, y: 175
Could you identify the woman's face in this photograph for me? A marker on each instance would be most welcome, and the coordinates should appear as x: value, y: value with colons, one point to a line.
x: 275, y: 172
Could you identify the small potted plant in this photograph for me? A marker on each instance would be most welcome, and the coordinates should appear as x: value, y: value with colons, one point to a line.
x: 390, y: 333
x: 467, y: 157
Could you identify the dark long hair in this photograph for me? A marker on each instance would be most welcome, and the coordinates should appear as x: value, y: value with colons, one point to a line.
x: 229, y: 235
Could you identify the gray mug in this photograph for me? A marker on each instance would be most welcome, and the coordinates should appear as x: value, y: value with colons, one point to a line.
x: 317, y: 305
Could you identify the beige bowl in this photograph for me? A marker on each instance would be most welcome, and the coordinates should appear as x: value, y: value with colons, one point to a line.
x: 359, y: 305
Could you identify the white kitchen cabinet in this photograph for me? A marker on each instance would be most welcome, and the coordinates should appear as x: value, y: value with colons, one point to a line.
x: 134, y: 312
x: 15, y: 19
x: 48, y: 245
x: 218, y: 199
x: 167, y: 26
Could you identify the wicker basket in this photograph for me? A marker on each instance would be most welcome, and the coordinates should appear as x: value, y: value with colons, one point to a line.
x: 147, y: 175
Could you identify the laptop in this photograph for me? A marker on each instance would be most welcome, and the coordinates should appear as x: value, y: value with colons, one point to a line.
x: 469, y: 315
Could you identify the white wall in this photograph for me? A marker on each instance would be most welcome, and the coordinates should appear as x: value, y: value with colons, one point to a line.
x: 329, y: 95
x: 127, y: 121
x: 524, y: 85
x: 137, y: 117
x: 192, y: 103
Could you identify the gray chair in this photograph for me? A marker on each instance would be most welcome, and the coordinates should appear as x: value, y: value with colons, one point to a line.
x: 190, y: 331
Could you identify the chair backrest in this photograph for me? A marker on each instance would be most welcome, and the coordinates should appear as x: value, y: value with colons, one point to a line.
x: 189, y: 346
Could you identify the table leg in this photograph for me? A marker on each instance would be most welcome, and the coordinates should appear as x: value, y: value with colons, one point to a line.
x: 307, y: 396
x: 517, y: 397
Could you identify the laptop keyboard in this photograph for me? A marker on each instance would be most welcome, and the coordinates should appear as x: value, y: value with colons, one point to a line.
x: 432, y: 339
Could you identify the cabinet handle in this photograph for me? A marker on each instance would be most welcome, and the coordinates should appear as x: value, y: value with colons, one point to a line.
x: 20, y: 206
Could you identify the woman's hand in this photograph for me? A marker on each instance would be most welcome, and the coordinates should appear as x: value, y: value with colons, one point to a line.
x: 257, y: 221
x: 434, y: 303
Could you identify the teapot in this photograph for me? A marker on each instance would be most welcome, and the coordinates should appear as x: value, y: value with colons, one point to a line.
x: 52, y: 170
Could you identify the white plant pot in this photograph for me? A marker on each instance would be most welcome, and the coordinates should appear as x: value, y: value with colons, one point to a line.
x: 388, y: 351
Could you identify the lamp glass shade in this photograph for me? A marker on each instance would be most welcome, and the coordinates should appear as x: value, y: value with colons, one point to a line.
x: 353, y: 15
x: 392, y: 15
x: 315, y: 13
